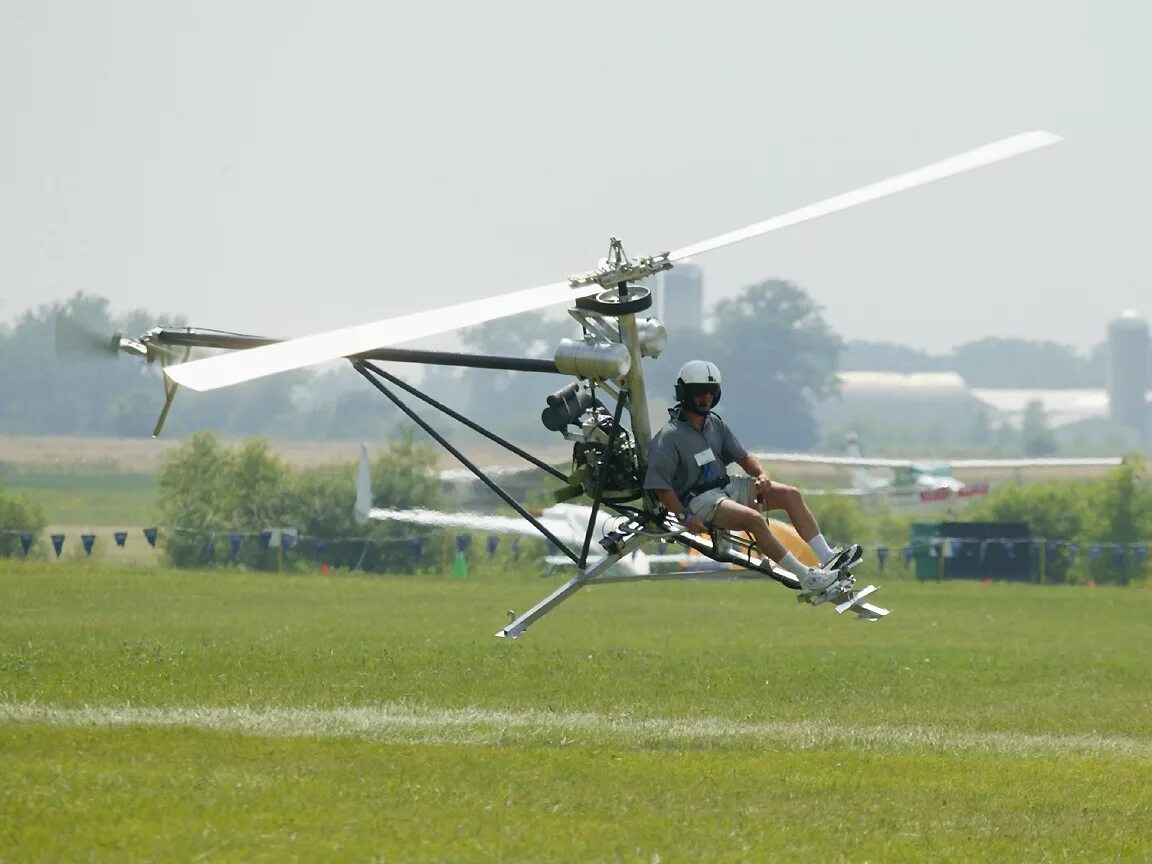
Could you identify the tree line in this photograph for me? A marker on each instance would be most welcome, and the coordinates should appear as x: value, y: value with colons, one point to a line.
x: 778, y: 354
x: 209, y: 492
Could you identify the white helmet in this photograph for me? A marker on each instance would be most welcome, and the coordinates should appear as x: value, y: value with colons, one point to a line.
x: 695, y: 376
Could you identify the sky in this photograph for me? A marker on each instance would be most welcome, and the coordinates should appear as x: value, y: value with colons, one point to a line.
x: 285, y: 167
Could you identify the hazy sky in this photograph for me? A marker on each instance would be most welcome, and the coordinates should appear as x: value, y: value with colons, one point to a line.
x: 280, y: 167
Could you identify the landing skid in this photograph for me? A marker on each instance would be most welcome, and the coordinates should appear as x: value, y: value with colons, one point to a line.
x: 720, y: 549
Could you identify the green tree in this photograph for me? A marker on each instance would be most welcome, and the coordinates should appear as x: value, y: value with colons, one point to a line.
x: 999, y: 362
x: 403, y: 477
x: 778, y: 356
x: 1121, y: 514
x: 1037, y: 438
x: 1055, y: 510
x: 1114, y: 509
x: 207, y: 490
x: 841, y: 519
x: 18, y: 516
x: 867, y: 356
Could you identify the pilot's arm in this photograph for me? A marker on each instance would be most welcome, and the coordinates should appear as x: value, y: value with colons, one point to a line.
x: 671, y: 502
x: 755, y: 470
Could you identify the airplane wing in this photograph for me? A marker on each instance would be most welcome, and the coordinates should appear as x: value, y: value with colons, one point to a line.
x: 474, y: 522
x: 852, y: 492
x: 239, y: 366
x: 463, y: 475
x: 1045, y: 462
x: 842, y: 461
x: 880, y: 462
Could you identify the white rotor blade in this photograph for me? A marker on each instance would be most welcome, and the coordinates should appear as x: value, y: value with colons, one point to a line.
x: 1006, y: 148
x: 239, y: 366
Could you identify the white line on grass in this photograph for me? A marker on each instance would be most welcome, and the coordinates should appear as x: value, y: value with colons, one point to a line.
x: 414, y: 724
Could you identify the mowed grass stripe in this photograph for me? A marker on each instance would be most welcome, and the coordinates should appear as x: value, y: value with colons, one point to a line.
x: 408, y: 724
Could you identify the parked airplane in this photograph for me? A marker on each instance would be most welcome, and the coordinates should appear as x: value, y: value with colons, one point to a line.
x: 926, y: 481
x: 568, y: 522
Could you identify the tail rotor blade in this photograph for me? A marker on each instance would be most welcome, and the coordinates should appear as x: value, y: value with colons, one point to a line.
x: 77, y: 339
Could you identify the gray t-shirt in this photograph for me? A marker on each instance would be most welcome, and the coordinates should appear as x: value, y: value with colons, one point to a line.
x: 681, y: 458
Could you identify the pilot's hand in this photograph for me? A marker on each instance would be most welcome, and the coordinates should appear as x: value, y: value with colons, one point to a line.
x: 763, y: 484
x: 694, y: 523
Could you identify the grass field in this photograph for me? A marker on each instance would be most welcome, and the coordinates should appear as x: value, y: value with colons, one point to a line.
x: 78, y: 495
x: 224, y: 716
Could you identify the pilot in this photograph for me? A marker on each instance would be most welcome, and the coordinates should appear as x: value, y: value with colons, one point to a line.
x: 687, y: 472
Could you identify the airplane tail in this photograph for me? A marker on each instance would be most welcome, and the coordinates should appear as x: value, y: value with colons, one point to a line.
x: 363, y: 503
x: 862, y: 478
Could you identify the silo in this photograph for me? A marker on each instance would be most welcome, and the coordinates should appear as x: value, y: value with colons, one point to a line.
x: 683, y: 298
x: 1128, y: 372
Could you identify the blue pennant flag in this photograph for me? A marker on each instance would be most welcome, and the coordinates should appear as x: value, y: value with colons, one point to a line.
x: 1053, y: 548
x: 318, y: 547
x: 234, y: 545
x: 87, y: 540
x: 1140, y: 550
x: 515, y: 548
x: 57, y: 543
x: 1094, y: 552
x: 265, y: 539
x: 463, y: 541
x: 982, y: 552
x: 121, y: 538
x: 25, y: 541
x: 417, y: 546
x: 881, y: 556
x: 662, y: 547
x: 907, y: 555
x: 552, y: 548
x: 150, y: 536
x: 287, y: 540
x: 493, y: 542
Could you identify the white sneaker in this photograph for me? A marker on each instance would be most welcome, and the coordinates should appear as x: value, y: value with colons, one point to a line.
x: 816, y: 580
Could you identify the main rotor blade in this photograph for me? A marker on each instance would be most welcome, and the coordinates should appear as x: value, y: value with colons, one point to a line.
x: 997, y: 151
x: 235, y: 368
x: 239, y: 366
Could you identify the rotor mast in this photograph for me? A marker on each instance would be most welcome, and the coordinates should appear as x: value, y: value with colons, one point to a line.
x: 622, y: 301
x: 634, y: 384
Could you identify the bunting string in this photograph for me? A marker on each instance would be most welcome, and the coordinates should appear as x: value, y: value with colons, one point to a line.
x: 1042, y: 552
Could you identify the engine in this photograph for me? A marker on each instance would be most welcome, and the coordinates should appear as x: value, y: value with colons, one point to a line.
x: 603, y: 450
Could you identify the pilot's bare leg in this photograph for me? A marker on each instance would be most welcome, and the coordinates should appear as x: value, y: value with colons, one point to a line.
x: 737, y: 517
x: 788, y: 498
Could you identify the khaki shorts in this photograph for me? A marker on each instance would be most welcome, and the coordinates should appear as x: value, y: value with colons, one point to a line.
x: 739, y: 489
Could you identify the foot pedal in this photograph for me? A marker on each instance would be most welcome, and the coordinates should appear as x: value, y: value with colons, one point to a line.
x: 835, y: 592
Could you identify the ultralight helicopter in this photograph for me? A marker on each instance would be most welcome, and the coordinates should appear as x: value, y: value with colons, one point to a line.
x: 610, y: 444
